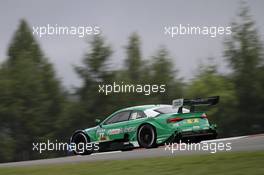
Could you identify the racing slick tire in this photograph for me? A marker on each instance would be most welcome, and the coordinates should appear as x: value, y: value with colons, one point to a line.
x: 147, y: 136
x: 80, y: 139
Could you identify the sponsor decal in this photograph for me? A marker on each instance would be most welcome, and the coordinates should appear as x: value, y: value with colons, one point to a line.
x: 177, y: 103
x: 120, y: 130
x: 130, y: 129
x: 100, y: 130
x: 115, y: 131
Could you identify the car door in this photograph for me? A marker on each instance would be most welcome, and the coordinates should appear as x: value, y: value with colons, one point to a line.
x: 136, y: 118
x: 113, y: 128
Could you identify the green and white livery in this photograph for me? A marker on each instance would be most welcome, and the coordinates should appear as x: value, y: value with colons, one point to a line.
x: 149, y: 126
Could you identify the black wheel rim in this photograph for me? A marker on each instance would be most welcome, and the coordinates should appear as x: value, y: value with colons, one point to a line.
x: 146, y: 136
x: 80, y: 142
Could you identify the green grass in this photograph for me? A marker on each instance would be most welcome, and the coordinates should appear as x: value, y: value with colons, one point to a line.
x: 249, y: 163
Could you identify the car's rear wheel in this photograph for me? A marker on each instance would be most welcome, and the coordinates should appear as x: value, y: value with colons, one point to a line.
x: 80, y: 141
x: 147, y: 136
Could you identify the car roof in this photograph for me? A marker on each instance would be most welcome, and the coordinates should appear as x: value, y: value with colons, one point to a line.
x: 143, y: 107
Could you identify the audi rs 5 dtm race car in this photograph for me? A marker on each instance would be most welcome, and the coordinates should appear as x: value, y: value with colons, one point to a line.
x: 149, y: 126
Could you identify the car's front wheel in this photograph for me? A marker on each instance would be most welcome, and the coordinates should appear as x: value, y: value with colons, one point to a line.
x: 79, y: 143
x: 147, y: 136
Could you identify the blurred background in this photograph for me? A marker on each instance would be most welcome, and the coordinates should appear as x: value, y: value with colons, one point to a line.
x: 49, y: 85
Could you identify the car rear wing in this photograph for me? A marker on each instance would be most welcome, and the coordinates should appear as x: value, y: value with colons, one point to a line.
x: 179, y: 103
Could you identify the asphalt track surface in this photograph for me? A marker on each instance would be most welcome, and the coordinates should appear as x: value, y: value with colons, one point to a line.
x: 243, y: 143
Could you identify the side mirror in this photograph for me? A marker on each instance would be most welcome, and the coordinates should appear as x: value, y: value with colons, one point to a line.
x: 97, y: 121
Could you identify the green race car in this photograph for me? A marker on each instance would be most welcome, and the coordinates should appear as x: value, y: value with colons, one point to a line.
x: 148, y: 126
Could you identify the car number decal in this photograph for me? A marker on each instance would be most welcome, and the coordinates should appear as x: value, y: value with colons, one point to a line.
x: 102, y: 137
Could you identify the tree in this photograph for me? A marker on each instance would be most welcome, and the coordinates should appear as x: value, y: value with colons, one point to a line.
x: 134, y: 62
x: 132, y: 74
x: 243, y: 51
x: 94, y: 72
x: 163, y: 73
x: 208, y: 82
x: 31, y: 98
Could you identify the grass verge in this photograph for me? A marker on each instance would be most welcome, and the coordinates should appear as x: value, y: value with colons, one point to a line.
x: 222, y: 163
